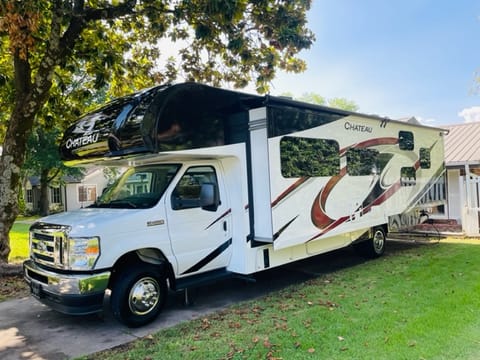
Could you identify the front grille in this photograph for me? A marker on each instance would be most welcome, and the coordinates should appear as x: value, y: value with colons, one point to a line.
x: 38, y: 277
x: 48, y: 244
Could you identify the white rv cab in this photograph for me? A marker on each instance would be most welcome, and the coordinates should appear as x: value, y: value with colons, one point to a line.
x: 221, y: 183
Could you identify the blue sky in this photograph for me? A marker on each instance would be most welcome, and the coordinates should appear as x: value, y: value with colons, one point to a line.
x: 394, y: 58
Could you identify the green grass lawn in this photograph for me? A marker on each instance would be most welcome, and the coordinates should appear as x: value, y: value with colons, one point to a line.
x: 419, y: 303
x: 18, y: 242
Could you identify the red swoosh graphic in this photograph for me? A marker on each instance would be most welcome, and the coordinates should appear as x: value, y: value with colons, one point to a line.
x: 290, y: 189
x: 219, y: 218
x: 318, y: 214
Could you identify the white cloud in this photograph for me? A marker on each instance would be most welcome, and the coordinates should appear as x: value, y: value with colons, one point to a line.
x: 427, y: 121
x: 471, y: 114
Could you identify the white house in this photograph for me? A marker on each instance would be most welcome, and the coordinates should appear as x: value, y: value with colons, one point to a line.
x: 462, y: 160
x: 83, y: 192
x: 75, y: 194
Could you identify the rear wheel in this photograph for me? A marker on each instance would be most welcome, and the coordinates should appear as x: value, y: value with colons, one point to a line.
x: 375, y: 246
x: 138, y: 295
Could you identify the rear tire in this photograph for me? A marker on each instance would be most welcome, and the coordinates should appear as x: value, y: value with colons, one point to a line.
x: 138, y: 295
x: 375, y: 246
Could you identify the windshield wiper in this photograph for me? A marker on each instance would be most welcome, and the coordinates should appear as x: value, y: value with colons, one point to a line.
x: 120, y: 203
x: 123, y: 202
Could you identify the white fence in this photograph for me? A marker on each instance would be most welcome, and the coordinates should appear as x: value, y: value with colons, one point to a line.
x: 471, y: 210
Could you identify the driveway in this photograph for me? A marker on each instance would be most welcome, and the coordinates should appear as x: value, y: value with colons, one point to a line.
x: 30, y: 330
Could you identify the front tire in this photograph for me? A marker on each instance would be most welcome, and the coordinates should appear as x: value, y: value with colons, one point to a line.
x: 375, y: 246
x: 138, y: 295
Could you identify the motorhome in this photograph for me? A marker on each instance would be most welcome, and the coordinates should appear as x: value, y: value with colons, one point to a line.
x: 221, y: 183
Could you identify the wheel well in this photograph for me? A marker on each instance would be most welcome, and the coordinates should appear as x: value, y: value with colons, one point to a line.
x: 142, y: 256
x: 373, y: 230
x: 368, y: 234
x: 384, y: 227
x: 369, y: 245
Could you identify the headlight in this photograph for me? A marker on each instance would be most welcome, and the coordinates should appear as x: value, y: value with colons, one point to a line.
x: 83, y: 252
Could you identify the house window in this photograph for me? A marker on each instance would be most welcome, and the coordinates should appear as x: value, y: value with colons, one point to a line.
x: 55, y: 197
x: 87, y: 193
x: 29, y: 196
x: 309, y: 157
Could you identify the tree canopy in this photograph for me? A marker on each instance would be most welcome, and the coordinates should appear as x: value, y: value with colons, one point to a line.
x: 48, y: 46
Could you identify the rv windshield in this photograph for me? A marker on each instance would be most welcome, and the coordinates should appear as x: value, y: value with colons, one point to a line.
x: 138, y: 188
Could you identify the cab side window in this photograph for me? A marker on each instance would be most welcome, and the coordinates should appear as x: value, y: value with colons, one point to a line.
x: 187, y: 192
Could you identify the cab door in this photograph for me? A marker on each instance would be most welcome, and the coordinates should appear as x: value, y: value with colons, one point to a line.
x: 200, y: 236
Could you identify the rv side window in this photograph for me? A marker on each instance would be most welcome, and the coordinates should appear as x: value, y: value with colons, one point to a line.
x: 285, y: 120
x: 405, y: 140
x: 306, y: 157
x: 187, y: 192
x: 425, y: 158
x: 362, y: 162
x: 408, y: 176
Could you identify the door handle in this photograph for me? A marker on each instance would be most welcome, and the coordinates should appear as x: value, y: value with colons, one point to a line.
x: 224, y: 226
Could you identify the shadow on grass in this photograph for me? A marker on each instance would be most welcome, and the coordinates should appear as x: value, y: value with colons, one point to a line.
x: 262, y: 283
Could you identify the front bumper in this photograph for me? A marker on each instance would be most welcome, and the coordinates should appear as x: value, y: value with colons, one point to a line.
x: 73, y: 294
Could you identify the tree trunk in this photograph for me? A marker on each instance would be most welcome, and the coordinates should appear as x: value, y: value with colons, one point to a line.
x: 10, y: 163
x: 8, y: 207
x: 28, y: 101
x: 44, y: 201
x: 30, y: 96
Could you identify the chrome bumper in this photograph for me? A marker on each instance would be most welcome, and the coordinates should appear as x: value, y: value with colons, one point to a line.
x: 63, y: 283
x: 75, y: 294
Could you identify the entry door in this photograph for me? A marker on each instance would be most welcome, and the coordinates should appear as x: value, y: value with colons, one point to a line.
x: 201, y: 238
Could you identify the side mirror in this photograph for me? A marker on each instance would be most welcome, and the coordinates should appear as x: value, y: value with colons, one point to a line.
x: 209, y: 197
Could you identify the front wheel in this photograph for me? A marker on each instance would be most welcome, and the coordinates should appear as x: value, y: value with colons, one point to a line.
x: 138, y: 295
x: 375, y: 246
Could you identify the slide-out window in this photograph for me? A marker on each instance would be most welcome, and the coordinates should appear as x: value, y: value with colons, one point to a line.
x: 306, y: 157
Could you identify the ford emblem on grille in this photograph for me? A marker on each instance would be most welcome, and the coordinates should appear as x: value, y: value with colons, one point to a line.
x: 42, y: 246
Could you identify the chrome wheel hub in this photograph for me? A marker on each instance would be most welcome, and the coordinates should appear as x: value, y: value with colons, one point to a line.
x: 144, y: 296
x: 378, y: 241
